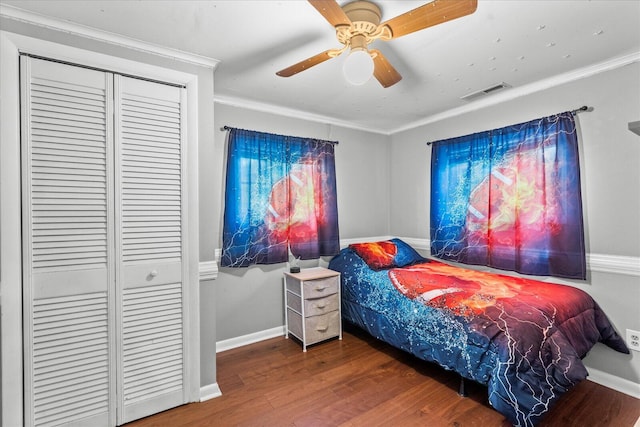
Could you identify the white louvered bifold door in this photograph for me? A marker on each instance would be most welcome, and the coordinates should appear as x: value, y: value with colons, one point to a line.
x: 103, y: 220
x: 149, y: 247
x: 68, y: 268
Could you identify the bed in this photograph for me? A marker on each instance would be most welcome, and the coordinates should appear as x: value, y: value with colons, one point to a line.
x: 524, y: 339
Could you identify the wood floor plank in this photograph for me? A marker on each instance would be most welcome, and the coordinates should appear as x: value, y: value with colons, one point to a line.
x: 360, y: 381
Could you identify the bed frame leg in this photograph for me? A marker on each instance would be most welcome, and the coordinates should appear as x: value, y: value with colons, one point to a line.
x: 462, y: 390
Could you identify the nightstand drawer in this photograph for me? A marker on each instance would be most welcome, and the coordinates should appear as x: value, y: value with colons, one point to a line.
x: 319, y: 328
x: 316, y: 328
x: 320, y: 287
x: 313, y: 307
x: 295, y: 324
x: 316, y: 306
x: 294, y: 301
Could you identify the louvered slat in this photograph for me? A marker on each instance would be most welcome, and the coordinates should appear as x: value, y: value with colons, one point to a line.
x: 70, y: 358
x: 153, y: 344
x: 151, y: 178
x: 67, y: 112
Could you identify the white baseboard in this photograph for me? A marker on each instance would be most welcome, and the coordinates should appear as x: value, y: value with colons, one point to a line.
x: 210, y: 391
x: 616, y: 383
x: 249, y: 339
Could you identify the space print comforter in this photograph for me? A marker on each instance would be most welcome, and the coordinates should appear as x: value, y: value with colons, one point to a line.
x: 522, y: 338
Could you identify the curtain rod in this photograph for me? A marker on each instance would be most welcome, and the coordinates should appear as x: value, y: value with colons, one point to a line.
x: 583, y: 108
x: 223, y: 128
x: 573, y: 112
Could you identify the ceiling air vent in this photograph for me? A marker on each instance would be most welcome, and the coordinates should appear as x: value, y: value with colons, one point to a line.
x: 482, y: 92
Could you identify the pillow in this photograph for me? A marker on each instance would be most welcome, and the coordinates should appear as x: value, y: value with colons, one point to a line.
x: 387, y: 254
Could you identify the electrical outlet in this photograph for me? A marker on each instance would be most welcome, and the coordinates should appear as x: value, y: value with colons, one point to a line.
x: 633, y: 340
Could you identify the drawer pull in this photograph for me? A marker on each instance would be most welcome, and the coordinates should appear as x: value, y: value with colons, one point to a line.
x: 320, y: 288
x: 153, y: 273
x: 322, y: 328
x: 320, y: 305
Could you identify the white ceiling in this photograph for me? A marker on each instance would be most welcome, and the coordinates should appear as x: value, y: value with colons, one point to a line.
x: 526, y: 44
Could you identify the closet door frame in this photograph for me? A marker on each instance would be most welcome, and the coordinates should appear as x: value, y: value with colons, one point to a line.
x: 11, y: 321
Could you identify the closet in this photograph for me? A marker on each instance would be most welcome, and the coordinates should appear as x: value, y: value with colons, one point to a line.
x: 104, y: 253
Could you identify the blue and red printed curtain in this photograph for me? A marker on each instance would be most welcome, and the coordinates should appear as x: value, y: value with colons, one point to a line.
x: 510, y: 198
x: 280, y: 195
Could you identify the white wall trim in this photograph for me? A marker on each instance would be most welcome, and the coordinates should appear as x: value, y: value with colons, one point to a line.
x: 616, y: 383
x: 11, y: 364
x: 290, y: 112
x: 243, y: 340
x: 528, y: 89
x: 601, y: 263
x: 615, y: 264
x: 208, y: 270
x: 210, y: 391
x: 21, y: 15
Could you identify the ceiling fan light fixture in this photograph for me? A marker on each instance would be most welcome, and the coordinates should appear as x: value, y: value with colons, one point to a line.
x: 358, y: 67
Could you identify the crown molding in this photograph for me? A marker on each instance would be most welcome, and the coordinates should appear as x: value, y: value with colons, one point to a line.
x: 528, y: 89
x: 69, y: 27
x: 290, y: 112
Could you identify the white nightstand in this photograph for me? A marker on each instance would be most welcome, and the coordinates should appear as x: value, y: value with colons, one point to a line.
x: 312, y: 305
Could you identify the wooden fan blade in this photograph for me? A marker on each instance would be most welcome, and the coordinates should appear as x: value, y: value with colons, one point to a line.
x: 428, y: 15
x: 309, y: 62
x: 383, y: 71
x: 331, y: 11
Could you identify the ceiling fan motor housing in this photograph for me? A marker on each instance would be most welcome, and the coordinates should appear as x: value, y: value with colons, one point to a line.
x: 363, y: 11
x: 365, y: 18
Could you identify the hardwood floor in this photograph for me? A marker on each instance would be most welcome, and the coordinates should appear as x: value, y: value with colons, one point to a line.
x: 360, y: 381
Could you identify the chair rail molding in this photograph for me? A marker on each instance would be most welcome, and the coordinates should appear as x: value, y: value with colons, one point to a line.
x: 601, y: 263
x: 208, y: 270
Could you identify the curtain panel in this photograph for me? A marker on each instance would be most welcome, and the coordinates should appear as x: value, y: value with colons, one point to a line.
x: 510, y: 198
x: 280, y: 197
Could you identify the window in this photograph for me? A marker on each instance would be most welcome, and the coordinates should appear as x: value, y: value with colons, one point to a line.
x: 280, y: 197
x: 510, y: 199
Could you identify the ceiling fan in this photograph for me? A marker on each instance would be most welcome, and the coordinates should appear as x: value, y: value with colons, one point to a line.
x: 358, y: 23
